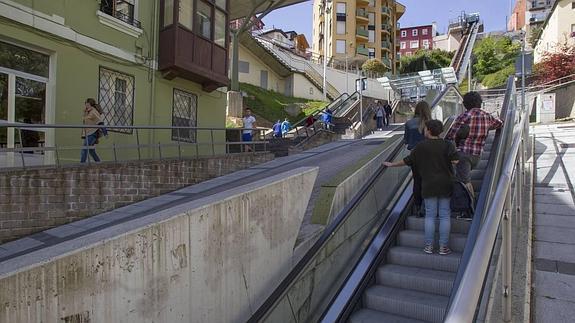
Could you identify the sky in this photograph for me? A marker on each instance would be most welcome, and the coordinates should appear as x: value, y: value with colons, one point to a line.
x: 419, y: 12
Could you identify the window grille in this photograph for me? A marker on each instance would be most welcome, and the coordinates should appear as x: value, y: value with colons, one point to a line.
x: 184, y: 114
x: 116, y: 97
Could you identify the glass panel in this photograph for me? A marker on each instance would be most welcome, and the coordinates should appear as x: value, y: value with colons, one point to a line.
x: 340, y: 27
x: 221, y: 4
x: 168, y: 12
x: 220, y: 28
x: 3, y: 107
x: 204, y: 16
x: 30, y: 108
x: 186, y: 12
x: 24, y: 60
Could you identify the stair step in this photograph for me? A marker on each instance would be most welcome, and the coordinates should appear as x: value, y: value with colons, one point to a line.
x: 407, y: 303
x: 415, y: 257
x: 415, y: 239
x: 418, y: 279
x: 457, y: 225
x: 370, y: 316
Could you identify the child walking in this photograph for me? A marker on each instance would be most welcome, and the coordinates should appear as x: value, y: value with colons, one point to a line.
x: 433, y: 159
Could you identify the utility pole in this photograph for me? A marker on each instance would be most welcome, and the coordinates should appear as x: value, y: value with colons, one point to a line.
x: 326, y: 11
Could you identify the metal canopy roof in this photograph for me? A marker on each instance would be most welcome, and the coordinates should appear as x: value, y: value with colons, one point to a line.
x: 243, y: 8
x: 441, y: 76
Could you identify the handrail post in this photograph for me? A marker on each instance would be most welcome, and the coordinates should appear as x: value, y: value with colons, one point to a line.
x: 506, y: 245
x: 213, y: 148
x: 138, y: 144
x: 21, y: 148
x: 179, y: 144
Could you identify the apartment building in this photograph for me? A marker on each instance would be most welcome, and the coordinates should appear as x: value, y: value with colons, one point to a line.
x: 538, y: 10
x: 517, y: 19
x: 412, y: 39
x: 355, y: 31
x: 558, y: 28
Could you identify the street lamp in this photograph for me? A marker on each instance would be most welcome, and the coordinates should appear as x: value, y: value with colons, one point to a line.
x: 326, y: 11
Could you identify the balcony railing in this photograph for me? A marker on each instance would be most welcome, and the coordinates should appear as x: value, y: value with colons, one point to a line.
x: 386, y: 61
x: 386, y: 10
x: 362, y: 32
x: 121, y: 10
x: 362, y: 13
x: 386, y: 27
x: 362, y: 51
x: 385, y: 44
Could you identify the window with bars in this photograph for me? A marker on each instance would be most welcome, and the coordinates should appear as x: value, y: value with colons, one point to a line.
x: 123, y: 10
x: 184, y: 114
x: 116, y: 97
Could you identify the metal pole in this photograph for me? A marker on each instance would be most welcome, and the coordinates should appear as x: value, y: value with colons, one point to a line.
x: 506, y: 245
x: 523, y: 73
x: 138, y: 143
x: 346, y: 76
x: 469, y: 75
x: 325, y: 11
x: 361, y: 106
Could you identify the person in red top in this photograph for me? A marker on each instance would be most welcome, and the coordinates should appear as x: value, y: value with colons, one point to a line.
x: 479, y: 123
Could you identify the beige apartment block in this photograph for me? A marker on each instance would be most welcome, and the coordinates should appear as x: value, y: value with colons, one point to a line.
x: 558, y: 29
x: 355, y: 30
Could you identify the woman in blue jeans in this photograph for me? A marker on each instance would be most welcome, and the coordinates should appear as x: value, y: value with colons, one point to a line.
x: 92, y: 116
x: 433, y: 159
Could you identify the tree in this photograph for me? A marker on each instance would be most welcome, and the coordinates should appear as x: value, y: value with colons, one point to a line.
x: 558, y: 63
x: 492, y: 55
x: 534, y: 35
x: 425, y: 60
x: 374, y: 66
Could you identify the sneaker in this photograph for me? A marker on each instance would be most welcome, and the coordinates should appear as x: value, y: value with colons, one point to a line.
x: 444, y: 250
x: 428, y: 249
x: 465, y: 217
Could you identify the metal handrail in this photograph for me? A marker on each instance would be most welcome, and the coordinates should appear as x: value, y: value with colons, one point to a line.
x: 468, y: 293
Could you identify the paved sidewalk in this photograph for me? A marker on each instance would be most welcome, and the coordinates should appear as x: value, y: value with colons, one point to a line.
x: 554, y: 224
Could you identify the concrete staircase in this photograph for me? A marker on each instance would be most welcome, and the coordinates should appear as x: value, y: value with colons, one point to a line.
x: 412, y: 286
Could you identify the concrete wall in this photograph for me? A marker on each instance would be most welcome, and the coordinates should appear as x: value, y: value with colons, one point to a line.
x: 565, y: 101
x: 275, y: 82
x: 303, y: 88
x: 210, y: 260
x: 33, y: 200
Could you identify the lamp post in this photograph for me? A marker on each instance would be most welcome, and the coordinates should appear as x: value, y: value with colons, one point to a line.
x: 326, y: 11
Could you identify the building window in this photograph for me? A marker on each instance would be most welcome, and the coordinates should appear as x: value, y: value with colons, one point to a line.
x: 186, y: 14
x: 220, y: 28
x: 371, y: 52
x: 407, y: 53
x: 168, y: 13
x: 573, y: 5
x: 414, y: 32
x: 414, y: 44
x: 204, y: 19
x: 424, y: 32
x: 403, y: 33
x: 123, y: 10
x: 184, y: 114
x: 403, y: 45
x: 243, y: 67
x: 340, y: 46
x: 573, y: 30
x: 340, y: 27
x: 371, y: 17
x: 116, y: 97
x: 371, y: 36
x: 426, y: 43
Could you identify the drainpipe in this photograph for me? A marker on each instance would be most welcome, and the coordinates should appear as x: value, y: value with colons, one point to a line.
x: 152, y: 70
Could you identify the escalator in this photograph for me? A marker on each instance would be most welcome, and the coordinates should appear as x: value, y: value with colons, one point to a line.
x: 382, y: 274
x: 461, y: 60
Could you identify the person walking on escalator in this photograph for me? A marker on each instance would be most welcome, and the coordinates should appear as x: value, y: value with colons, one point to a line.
x: 433, y: 159
x: 470, y: 144
x: 379, y: 115
x: 413, y: 135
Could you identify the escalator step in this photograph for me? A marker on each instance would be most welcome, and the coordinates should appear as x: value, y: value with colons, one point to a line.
x: 415, y: 239
x: 370, y: 316
x: 477, y: 174
x: 418, y: 279
x: 415, y: 257
x: 407, y: 303
x: 457, y: 226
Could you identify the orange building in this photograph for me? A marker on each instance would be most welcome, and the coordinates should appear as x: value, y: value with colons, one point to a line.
x: 517, y: 20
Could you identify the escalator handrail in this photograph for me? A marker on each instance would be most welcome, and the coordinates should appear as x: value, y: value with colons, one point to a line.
x: 302, y: 121
x: 482, y: 202
x: 269, y: 303
x: 336, y: 110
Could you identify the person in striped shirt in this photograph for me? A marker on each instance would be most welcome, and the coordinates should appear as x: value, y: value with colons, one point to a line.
x: 470, y: 148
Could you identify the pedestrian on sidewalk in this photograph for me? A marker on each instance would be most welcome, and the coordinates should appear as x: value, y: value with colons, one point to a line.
x: 277, y: 129
x: 470, y: 148
x: 388, y: 113
x: 92, y: 117
x: 413, y: 135
x: 249, y: 124
x: 379, y: 115
x: 433, y: 159
x: 286, y: 127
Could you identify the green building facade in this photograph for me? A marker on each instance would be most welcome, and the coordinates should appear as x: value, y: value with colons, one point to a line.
x: 56, y: 53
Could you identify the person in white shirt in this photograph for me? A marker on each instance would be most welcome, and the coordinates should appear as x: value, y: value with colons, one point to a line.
x: 379, y: 114
x: 249, y: 124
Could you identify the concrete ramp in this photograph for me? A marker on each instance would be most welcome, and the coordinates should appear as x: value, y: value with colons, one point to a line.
x: 214, y: 259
